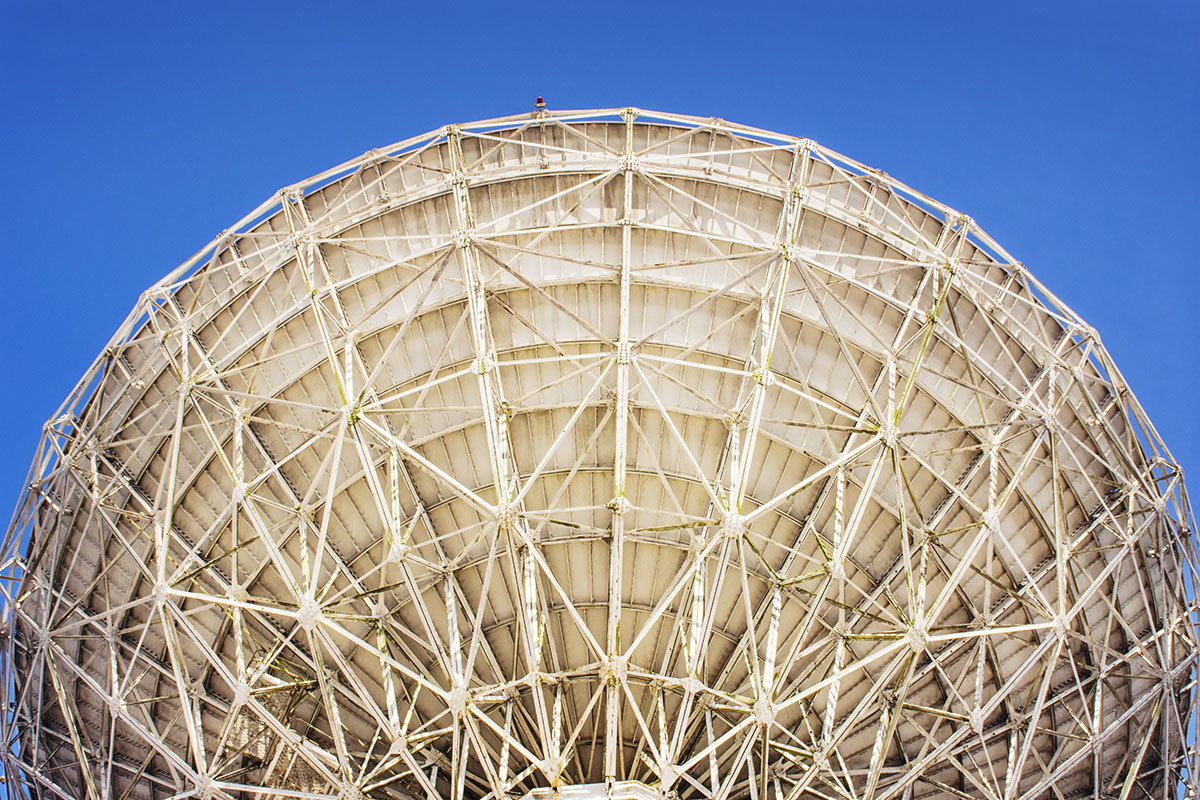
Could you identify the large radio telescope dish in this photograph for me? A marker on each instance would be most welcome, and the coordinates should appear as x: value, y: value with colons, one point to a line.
x: 610, y: 452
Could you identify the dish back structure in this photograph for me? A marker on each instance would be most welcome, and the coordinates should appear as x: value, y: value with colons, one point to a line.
x: 596, y: 454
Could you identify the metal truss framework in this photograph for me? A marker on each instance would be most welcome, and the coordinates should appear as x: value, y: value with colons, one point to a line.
x: 597, y: 447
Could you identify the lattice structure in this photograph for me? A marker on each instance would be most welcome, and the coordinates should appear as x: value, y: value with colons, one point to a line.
x: 621, y: 453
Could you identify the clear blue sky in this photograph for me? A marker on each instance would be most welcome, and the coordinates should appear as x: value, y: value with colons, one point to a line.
x: 134, y: 133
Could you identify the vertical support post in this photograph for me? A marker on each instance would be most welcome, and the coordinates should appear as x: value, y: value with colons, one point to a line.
x: 619, y: 504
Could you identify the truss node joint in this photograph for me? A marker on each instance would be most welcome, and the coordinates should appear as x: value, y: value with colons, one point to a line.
x: 206, y: 788
x: 506, y: 516
x: 836, y: 569
x: 309, y: 612
x: 733, y: 525
x: 889, y: 434
x: 457, y: 700
x: 764, y: 377
x: 624, y: 353
x: 483, y: 364
x: 764, y: 711
x: 630, y: 163
x: 397, y: 552
x: 619, y: 505
x: 917, y: 637
x: 615, y: 670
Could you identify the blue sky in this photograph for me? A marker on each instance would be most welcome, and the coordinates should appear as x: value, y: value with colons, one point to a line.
x: 134, y: 133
